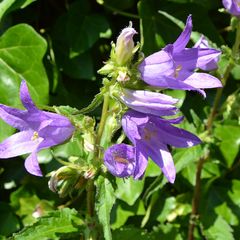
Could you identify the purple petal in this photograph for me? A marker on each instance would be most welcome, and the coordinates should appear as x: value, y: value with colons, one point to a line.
x: 130, y: 122
x: 184, y: 37
x: 173, y: 120
x: 26, y: 98
x: 203, y: 80
x: 141, y: 160
x: 158, y: 64
x: 149, y: 102
x: 168, y: 134
x: 120, y: 160
x: 19, y: 144
x: 13, y: 117
x: 159, y: 153
x: 232, y: 6
x: 31, y: 164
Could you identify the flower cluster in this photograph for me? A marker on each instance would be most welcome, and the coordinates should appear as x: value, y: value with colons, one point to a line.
x: 173, y: 67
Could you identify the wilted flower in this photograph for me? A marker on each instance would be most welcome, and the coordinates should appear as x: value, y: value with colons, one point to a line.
x: 149, y: 102
x: 38, y: 130
x: 211, y: 65
x: 150, y: 136
x: 233, y: 6
x: 125, y: 45
x: 174, y: 66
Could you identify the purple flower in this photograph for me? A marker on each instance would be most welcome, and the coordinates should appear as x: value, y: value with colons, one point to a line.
x: 150, y: 136
x: 120, y: 160
x: 38, y: 130
x: 149, y: 102
x: 211, y: 65
x: 174, y: 66
x: 233, y: 6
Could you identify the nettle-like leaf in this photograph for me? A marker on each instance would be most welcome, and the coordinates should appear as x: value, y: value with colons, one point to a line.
x: 105, y: 199
x: 56, y: 225
x: 230, y: 141
x: 21, y: 53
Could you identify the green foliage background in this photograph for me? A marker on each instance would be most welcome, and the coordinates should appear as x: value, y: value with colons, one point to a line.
x: 58, y: 46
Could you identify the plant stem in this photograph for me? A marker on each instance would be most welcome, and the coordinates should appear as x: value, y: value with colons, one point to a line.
x: 235, y: 52
x: 196, y: 198
x: 90, y: 198
x: 103, y: 119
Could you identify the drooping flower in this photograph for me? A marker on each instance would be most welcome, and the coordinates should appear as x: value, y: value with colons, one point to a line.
x: 232, y: 6
x: 174, y: 66
x: 125, y: 45
x: 120, y: 160
x: 38, y: 130
x: 150, y: 136
x: 211, y: 65
x: 149, y: 102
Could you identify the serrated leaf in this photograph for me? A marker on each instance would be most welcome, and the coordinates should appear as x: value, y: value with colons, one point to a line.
x: 105, y: 199
x: 21, y: 53
x: 53, y: 226
x: 220, y: 230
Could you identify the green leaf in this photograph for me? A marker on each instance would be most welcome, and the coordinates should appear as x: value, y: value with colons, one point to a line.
x: 129, y: 190
x: 105, y: 199
x: 220, y: 230
x: 230, y: 141
x: 7, y: 6
x: 5, y: 130
x: 9, y: 222
x: 53, y: 226
x: 124, y: 211
x: 21, y: 53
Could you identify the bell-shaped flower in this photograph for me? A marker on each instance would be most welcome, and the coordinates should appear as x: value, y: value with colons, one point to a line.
x: 125, y: 46
x: 212, y: 64
x: 174, y: 66
x: 120, y: 160
x: 150, y: 136
x: 232, y: 6
x: 38, y: 130
x: 149, y: 102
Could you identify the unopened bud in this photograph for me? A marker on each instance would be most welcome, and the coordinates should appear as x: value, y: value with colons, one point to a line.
x: 125, y: 46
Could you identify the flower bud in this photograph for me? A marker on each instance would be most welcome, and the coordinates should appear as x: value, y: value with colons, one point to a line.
x: 125, y: 46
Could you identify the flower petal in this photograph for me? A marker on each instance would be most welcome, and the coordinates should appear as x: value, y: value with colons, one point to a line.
x: 158, y: 64
x: 159, y: 153
x: 203, y: 80
x: 184, y: 37
x: 141, y: 160
x: 120, y: 160
x: 18, y: 144
x: 31, y: 164
x: 149, y: 102
x: 13, y: 117
x: 26, y: 98
x: 168, y: 134
x: 130, y: 122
